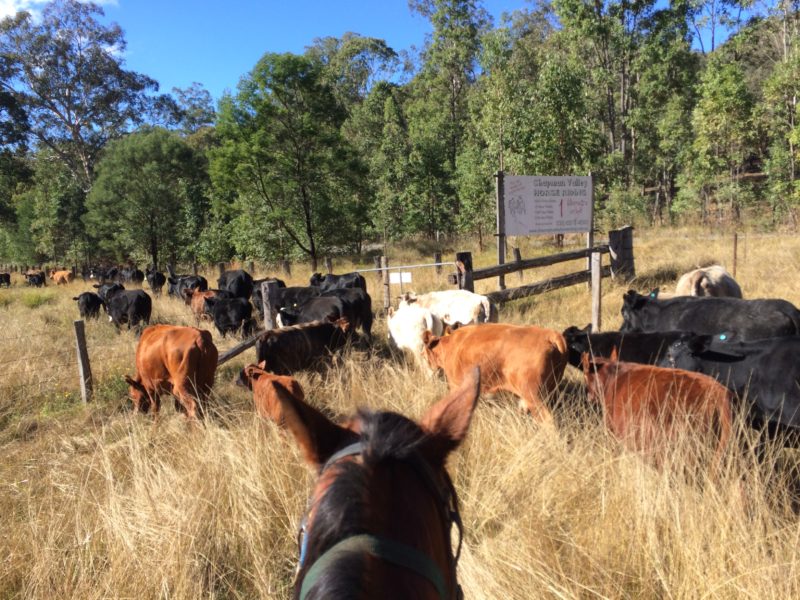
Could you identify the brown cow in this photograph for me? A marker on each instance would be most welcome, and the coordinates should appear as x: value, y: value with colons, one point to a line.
x: 525, y: 360
x: 62, y: 277
x: 267, y: 388
x: 643, y: 403
x: 196, y: 300
x: 177, y: 360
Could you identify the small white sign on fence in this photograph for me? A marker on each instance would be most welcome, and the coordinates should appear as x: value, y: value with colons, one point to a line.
x: 404, y: 277
x: 537, y: 205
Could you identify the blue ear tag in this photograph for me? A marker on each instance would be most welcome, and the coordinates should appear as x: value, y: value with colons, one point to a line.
x: 652, y: 294
x: 303, y: 546
x: 723, y: 336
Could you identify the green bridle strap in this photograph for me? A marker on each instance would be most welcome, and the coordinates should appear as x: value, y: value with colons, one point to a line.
x: 380, y: 547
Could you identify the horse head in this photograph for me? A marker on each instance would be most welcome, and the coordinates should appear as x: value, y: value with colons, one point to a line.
x: 381, y: 512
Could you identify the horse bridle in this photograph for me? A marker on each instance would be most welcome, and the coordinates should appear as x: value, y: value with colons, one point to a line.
x: 387, y: 549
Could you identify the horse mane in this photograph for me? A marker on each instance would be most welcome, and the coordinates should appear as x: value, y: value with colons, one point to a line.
x: 344, y: 510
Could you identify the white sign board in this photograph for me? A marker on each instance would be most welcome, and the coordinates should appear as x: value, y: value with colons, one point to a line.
x: 535, y: 205
x: 400, y: 277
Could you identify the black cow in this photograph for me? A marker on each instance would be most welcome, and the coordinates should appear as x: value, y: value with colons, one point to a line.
x: 131, y: 275
x: 765, y: 373
x: 106, y: 290
x: 321, y: 308
x: 332, y: 282
x: 178, y: 283
x: 257, y: 299
x: 644, y: 348
x: 239, y: 283
x: 751, y: 319
x: 36, y: 279
x: 155, y: 280
x: 131, y: 307
x: 89, y: 305
x: 354, y: 304
x: 231, y: 314
x: 300, y: 347
x: 5, y: 279
x: 102, y: 274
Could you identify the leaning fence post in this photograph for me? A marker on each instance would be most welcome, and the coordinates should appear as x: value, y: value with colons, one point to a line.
x: 221, y: 267
x: 735, y: 252
x: 329, y: 264
x: 376, y: 260
x: 464, y: 265
x: 252, y: 266
x: 385, y: 276
x: 437, y: 259
x: 286, y: 267
x: 267, y: 299
x: 84, y: 368
x: 597, y: 278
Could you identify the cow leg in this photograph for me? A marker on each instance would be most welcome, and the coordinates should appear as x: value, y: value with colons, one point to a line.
x: 531, y: 402
x: 190, y: 405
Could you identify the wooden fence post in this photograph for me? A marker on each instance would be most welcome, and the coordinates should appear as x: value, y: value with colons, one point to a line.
x: 84, y: 368
x: 387, y: 300
x: 194, y: 268
x: 376, y: 260
x: 252, y: 266
x: 268, y: 301
x: 464, y: 264
x: 597, y: 279
x: 620, y: 245
x: 518, y: 258
x: 735, y: 252
x: 329, y: 264
x: 286, y: 267
x: 501, y: 226
x: 221, y: 267
x: 437, y: 258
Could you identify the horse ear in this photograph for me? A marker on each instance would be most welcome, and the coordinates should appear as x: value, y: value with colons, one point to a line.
x: 262, y: 365
x: 614, y: 354
x: 317, y: 436
x: 447, y: 421
x: 390, y: 312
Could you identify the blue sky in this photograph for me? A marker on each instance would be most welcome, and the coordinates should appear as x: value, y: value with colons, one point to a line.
x: 177, y: 42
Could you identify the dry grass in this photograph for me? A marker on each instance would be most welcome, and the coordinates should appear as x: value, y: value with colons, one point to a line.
x: 100, y: 503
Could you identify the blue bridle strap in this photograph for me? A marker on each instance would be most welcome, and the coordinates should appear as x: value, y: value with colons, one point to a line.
x: 380, y: 547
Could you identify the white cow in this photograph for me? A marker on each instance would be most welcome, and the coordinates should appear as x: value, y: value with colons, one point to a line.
x: 455, y: 307
x: 708, y: 281
x: 407, y: 326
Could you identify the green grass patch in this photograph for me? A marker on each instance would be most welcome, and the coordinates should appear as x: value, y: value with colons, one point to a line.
x: 6, y: 301
x: 37, y: 299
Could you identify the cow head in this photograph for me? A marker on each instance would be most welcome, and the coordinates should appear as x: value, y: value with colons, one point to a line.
x: 633, y: 305
x: 251, y: 373
x: 596, y: 371
x: 433, y: 349
x: 316, y: 279
x: 138, y: 394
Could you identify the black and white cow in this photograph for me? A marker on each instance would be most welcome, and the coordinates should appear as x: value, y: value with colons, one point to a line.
x: 751, y: 319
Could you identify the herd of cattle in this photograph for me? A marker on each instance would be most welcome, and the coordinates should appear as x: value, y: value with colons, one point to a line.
x: 703, y: 352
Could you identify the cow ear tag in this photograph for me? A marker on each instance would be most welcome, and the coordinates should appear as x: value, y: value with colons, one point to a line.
x: 652, y: 294
x: 723, y: 337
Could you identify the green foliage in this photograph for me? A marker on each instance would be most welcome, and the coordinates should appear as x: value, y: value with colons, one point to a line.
x: 148, y: 199
x: 69, y: 79
x: 283, y: 165
x: 36, y: 299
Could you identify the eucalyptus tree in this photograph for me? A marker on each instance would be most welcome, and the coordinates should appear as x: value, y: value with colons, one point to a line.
x: 282, y: 157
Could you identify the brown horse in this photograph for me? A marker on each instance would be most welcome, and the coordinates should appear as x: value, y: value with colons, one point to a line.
x: 379, y: 519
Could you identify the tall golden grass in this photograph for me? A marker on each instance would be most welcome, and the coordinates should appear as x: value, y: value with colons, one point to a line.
x: 99, y: 502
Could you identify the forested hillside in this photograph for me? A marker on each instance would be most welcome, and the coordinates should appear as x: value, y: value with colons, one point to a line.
x: 681, y: 111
